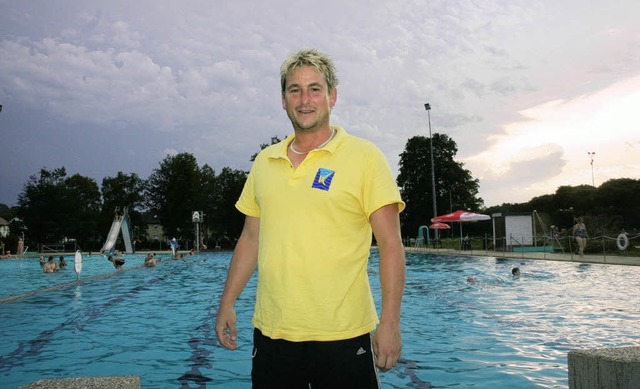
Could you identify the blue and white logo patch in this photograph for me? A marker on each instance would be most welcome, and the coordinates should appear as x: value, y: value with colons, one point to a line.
x: 323, y: 179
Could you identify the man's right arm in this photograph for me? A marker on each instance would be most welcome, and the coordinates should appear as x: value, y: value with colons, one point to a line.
x: 243, y: 264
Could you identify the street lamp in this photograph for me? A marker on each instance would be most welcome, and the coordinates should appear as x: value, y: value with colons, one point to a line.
x: 593, y: 181
x: 433, y: 170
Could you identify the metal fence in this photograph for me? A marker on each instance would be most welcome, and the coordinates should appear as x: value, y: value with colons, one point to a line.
x: 57, y: 248
x: 621, y: 244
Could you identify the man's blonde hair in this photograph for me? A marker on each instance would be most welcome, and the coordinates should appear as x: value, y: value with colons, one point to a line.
x: 310, y: 57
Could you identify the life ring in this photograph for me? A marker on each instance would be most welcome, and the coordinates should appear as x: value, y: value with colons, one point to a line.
x: 622, y: 241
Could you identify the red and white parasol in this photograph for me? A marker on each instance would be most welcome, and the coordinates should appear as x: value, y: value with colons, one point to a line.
x: 460, y: 217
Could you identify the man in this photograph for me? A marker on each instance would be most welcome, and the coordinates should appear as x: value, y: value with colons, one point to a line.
x: 50, y: 266
x: 150, y: 261
x: 311, y: 203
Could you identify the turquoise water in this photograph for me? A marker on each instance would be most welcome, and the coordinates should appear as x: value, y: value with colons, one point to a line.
x: 158, y: 323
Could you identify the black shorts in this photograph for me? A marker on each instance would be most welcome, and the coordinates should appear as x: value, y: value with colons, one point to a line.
x: 279, y: 363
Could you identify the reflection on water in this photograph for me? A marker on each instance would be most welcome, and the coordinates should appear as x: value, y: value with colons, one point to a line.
x: 513, y: 332
x: 158, y: 323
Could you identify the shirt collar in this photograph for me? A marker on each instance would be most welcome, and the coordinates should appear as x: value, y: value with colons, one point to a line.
x: 280, y: 150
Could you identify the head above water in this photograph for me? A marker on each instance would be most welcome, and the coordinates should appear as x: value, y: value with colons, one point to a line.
x: 515, y: 271
x: 310, y: 57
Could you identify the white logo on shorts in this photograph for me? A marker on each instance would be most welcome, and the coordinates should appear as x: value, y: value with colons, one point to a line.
x: 361, y: 351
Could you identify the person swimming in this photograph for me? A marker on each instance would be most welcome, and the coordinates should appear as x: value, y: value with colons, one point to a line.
x: 117, y: 262
x: 515, y: 272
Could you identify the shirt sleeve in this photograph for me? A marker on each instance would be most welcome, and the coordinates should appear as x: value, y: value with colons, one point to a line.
x: 380, y: 188
x: 247, y: 201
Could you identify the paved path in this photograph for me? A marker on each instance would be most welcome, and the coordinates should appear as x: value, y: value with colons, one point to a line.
x: 611, y: 259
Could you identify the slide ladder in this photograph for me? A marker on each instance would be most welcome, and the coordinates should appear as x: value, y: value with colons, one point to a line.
x: 120, y: 224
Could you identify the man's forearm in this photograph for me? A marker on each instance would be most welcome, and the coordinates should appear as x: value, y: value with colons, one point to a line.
x: 243, y: 263
x: 392, y: 279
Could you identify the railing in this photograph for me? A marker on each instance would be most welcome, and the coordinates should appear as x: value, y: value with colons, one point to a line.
x: 621, y: 244
x: 57, y: 248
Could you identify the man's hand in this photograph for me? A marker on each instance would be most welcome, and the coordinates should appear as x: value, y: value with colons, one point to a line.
x: 387, y: 344
x: 226, y: 328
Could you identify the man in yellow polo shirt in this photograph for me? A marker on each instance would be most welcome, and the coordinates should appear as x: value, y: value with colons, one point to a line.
x: 311, y: 203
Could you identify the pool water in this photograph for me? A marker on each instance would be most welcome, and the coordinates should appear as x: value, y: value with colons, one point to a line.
x: 25, y: 275
x: 158, y: 323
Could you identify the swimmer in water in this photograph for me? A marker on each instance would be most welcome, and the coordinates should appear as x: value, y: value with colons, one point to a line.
x: 117, y: 262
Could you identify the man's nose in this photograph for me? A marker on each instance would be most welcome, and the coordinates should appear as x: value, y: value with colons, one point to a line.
x: 306, y: 96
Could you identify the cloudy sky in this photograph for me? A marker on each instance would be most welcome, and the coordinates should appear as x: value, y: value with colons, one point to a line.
x: 526, y: 88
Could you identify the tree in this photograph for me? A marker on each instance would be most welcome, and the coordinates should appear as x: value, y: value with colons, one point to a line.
x: 54, y: 207
x: 228, y: 220
x: 173, y: 192
x: 620, y: 196
x: 579, y: 198
x: 274, y: 140
x: 82, y: 205
x: 39, y: 205
x: 210, y: 194
x: 607, y: 209
x: 615, y: 203
x: 122, y: 191
x: 455, y: 186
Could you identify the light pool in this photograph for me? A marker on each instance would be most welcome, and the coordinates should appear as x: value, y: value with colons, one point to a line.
x: 158, y: 323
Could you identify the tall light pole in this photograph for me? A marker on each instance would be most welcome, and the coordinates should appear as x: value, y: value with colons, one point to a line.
x: 433, y: 169
x: 593, y: 181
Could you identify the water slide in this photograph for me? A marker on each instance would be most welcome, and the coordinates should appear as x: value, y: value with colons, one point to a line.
x: 126, y: 235
x: 113, y: 234
x: 120, y: 223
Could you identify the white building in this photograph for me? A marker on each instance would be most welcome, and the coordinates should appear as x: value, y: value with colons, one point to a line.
x: 4, y: 228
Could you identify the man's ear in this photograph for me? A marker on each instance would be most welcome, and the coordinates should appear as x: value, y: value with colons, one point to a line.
x: 333, y: 97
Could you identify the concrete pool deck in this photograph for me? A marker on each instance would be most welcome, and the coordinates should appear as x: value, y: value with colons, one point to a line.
x: 609, y: 259
x: 106, y: 382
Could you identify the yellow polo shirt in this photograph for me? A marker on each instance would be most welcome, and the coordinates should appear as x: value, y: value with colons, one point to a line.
x: 315, y: 237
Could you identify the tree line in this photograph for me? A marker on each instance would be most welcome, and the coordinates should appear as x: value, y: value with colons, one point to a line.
x: 54, y: 206
x: 607, y: 209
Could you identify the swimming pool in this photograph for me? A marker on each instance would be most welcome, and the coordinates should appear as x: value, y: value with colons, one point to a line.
x: 158, y: 323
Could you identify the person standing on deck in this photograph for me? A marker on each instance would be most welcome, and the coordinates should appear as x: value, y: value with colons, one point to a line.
x: 311, y: 204
x: 580, y: 235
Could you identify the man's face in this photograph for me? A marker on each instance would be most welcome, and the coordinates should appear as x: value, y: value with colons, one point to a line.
x: 307, y: 99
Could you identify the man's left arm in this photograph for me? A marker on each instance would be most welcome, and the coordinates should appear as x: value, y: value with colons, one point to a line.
x: 387, y: 341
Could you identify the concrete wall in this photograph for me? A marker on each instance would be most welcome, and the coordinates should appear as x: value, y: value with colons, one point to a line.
x: 606, y: 368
